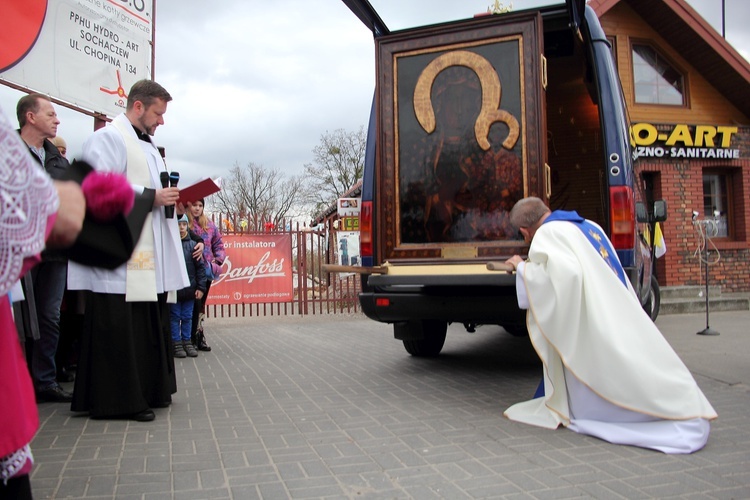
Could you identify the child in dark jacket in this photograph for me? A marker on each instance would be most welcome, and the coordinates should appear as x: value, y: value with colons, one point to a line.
x: 181, y: 313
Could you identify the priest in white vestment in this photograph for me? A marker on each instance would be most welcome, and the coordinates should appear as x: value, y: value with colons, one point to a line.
x: 608, y: 371
x: 126, y: 366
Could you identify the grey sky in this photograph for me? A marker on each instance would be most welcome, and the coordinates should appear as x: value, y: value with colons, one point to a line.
x: 259, y: 81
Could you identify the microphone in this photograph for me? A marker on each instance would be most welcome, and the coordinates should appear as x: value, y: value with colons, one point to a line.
x: 174, y: 178
x: 168, y: 210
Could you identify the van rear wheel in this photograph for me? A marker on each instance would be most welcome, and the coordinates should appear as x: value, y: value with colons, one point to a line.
x: 432, y: 341
x: 653, y: 303
x: 516, y: 329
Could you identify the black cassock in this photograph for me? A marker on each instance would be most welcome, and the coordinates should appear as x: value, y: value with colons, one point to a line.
x: 126, y: 364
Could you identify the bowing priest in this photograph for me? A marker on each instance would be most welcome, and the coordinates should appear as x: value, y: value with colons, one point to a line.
x: 608, y: 371
x: 126, y: 367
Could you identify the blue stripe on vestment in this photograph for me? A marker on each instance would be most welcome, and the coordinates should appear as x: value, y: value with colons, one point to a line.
x: 595, y: 236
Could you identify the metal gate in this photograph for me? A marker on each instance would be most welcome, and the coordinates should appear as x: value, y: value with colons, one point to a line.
x: 315, y: 292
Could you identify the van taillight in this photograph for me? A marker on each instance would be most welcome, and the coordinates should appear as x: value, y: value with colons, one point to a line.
x: 365, y: 230
x: 622, y: 215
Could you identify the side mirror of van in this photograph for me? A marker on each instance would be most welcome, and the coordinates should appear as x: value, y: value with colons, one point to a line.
x: 659, y: 215
x: 641, y: 214
x: 660, y: 211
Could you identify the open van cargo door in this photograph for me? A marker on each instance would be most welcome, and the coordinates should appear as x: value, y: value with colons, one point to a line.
x: 367, y: 14
x: 576, y: 9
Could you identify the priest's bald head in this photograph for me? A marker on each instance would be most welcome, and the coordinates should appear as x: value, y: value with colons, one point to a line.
x: 527, y: 215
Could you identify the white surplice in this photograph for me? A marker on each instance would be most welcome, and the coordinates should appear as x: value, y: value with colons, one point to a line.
x: 106, y: 151
x: 608, y: 371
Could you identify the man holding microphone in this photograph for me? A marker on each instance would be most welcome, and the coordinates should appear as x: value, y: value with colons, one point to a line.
x: 126, y: 367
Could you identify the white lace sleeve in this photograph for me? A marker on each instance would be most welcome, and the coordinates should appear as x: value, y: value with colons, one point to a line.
x: 521, y: 293
x: 27, y: 199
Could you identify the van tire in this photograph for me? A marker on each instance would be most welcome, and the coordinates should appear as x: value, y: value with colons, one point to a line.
x: 432, y: 342
x: 516, y: 329
x: 653, y: 303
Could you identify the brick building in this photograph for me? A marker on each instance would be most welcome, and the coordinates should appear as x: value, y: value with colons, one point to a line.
x: 688, y: 95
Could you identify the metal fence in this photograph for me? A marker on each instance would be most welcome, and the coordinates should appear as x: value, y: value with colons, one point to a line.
x: 315, y: 292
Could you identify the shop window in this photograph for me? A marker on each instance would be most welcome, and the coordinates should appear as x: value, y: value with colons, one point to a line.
x: 717, y: 200
x: 656, y: 81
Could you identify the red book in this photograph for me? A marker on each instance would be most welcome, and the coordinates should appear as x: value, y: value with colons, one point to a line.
x: 200, y: 189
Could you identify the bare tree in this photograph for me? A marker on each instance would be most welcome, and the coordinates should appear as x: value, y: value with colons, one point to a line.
x: 338, y: 164
x: 260, y: 194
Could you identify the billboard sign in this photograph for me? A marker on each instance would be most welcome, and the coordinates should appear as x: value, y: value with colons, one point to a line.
x: 348, y: 207
x: 85, y: 52
x: 258, y: 269
x: 348, y: 248
x: 683, y: 140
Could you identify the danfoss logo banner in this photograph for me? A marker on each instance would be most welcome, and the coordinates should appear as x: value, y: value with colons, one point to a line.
x: 258, y: 269
x: 683, y: 141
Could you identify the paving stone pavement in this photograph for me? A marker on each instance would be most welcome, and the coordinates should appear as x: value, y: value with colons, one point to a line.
x: 332, y: 407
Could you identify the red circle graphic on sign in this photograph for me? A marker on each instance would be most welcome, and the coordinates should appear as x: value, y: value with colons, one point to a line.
x: 20, y: 26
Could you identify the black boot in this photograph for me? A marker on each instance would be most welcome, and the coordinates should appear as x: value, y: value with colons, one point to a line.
x: 200, y: 341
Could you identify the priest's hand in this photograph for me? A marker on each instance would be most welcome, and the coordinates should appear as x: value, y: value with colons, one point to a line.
x: 513, y: 262
x: 166, y: 196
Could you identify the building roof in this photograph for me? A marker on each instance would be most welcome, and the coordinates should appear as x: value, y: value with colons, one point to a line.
x: 698, y: 42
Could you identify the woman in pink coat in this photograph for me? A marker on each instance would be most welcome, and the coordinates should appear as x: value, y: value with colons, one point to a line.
x: 213, y: 255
